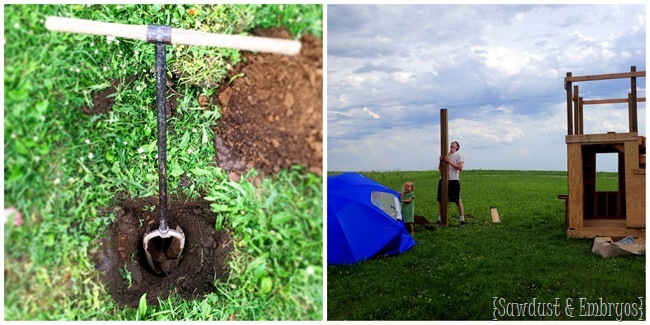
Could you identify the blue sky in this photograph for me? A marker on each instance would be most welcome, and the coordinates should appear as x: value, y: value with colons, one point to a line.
x: 499, y: 70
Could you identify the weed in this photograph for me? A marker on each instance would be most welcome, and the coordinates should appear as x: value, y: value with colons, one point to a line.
x: 126, y: 275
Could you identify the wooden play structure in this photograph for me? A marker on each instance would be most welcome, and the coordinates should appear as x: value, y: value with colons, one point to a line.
x: 589, y: 212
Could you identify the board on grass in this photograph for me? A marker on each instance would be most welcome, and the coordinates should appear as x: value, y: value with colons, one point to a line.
x: 495, y: 215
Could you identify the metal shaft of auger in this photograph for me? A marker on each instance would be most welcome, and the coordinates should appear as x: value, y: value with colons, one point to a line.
x: 161, y: 87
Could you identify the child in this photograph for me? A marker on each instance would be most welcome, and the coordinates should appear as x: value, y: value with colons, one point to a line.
x: 408, y: 206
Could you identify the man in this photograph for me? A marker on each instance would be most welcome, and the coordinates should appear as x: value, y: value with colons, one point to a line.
x: 455, y: 161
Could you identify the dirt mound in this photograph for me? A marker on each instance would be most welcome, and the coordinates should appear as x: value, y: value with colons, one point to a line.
x: 272, y: 116
x: 420, y: 220
x: 122, y: 262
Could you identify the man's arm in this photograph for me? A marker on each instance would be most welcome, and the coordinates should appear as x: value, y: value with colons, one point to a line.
x: 458, y: 166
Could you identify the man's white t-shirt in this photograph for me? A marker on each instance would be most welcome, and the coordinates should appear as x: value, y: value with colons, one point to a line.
x: 454, y: 173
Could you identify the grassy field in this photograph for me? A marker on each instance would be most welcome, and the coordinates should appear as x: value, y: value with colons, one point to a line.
x: 455, y: 273
x: 63, y: 169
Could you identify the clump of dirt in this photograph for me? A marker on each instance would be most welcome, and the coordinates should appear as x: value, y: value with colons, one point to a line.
x: 122, y: 263
x: 272, y: 116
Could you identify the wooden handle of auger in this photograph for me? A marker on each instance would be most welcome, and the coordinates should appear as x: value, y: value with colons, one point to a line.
x: 178, y: 36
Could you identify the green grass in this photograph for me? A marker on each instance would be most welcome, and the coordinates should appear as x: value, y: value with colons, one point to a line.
x: 454, y: 273
x: 63, y: 169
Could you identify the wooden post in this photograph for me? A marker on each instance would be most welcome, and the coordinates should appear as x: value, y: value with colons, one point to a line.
x: 576, y: 99
x: 444, y: 168
x: 581, y: 120
x: 569, y: 105
x: 632, y: 105
x: 630, y: 110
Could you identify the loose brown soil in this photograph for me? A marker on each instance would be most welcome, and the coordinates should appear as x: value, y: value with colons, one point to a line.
x: 272, y: 117
x: 121, y: 256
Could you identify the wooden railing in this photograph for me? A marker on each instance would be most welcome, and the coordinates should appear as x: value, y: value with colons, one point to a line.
x: 575, y: 103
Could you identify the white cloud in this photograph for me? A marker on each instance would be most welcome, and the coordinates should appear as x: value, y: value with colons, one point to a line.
x: 355, y: 80
x: 402, y: 76
x: 505, y: 60
x: 498, y: 68
x: 371, y: 113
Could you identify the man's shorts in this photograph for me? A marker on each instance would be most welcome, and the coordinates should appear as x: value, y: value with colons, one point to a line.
x: 453, y: 191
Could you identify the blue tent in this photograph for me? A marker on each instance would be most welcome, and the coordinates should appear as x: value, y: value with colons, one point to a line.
x: 363, y: 220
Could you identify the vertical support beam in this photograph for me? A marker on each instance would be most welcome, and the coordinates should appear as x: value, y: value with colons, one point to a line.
x: 630, y: 113
x: 569, y: 105
x: 621, y: 184
x: 632, y: 107
x: 635, y: 188
x: 444, y: 168
x: 576, y: 186
x: 581, y: 121
x: 576, y: 104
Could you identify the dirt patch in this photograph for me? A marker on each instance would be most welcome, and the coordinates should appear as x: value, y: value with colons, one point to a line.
x: 272, y: 115
x: 420, y: 220
x: 103, y: 100
x: 122, y: 263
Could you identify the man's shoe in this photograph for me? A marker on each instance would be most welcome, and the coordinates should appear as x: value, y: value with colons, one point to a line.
x: 462, y: 222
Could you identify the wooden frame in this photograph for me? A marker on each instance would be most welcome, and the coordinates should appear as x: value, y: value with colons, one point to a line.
x: 582, y: 204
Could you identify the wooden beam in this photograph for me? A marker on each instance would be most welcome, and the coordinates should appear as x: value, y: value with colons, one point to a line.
x: 606, y: 76
x: 495, y: 215
x: 580, y: 116
x: 601, y: 138
x: 632, y: 117
x: 444, y: 168
x: 576, y: 185
x: 576, y: 104
x: 632, y: 104
x: 612, y: 101
x: 569, y: 105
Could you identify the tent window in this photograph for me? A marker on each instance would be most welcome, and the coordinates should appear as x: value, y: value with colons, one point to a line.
x: 384, y: 201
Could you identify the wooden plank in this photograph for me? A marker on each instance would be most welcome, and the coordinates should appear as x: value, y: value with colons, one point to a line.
x: 495, y: 215
x: 632, y: 117
x: 605, y: 76
x: 576, y: 186
x: 576, y: 111
x: 605, y: 232
x: 444, y: 167
x: 580, y: 119
x: 633, y: 113
x: 605, y: 228
x: 635, y: 201
x: 635, y: 188
x: 612, y: 101
x: 631, y: 155
x: 601, y: 138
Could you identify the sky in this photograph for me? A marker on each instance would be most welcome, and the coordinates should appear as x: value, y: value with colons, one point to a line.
x: 498, y: 69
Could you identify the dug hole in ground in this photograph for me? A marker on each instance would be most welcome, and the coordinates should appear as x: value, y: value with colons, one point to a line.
x: 271, y: 120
